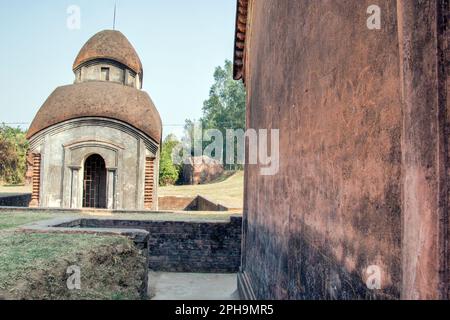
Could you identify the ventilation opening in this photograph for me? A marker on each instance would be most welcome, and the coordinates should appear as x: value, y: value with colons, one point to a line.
x: 105, y: 74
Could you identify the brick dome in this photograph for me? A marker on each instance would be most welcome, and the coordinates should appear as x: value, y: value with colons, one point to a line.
x: 112, y: 45
x: 99, y: 99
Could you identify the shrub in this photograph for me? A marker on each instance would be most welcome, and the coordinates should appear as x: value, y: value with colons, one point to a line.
x: 13, y: 150
x: 168, y: 172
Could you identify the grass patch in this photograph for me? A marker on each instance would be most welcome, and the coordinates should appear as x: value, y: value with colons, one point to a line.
x: 14, y: 189
x: 13, y: 220
x: 34, y: 265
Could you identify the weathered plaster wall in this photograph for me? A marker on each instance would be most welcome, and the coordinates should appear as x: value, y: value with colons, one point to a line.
x: 363, y: 152
x: 65, y: 147
x: 331, y: 86
x: 92, y: 71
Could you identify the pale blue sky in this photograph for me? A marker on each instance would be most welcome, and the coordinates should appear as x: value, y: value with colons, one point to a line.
x: 180, y: 42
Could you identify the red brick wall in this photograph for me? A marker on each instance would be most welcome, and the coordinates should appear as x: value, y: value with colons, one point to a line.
x: 174, y: 203
x: 207, y: 170
x: 334, y: 89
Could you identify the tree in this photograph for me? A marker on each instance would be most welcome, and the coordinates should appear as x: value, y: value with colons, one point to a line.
x: 13, y: 150
x: 225, y: 107
x: 168, y: 171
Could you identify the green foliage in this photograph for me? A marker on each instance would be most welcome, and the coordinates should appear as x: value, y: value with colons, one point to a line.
x: 13, y: 149
x: 168, y: 171
x: 225, y: 107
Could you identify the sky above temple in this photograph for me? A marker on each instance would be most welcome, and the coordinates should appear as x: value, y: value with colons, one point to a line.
x: 180, y: 42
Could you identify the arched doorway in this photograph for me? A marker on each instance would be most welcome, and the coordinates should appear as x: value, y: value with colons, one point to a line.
x: 94, y: 182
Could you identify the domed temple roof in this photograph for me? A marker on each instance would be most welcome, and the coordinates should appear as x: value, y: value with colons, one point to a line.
x: 112, y: 45
x: 99, y: 99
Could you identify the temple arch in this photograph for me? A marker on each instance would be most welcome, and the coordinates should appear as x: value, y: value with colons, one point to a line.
x: 94, y: 182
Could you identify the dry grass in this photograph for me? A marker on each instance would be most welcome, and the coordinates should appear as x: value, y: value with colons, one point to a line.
x: 6, y: 190
x: 13, y: 220
x: 229, y: 193
x: 34, y: 265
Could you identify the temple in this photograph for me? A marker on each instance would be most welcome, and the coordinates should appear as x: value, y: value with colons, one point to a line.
x: 95, y: 143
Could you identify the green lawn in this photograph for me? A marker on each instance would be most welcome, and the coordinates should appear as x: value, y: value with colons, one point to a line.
x: 229, y: 193
x: 12, y: 220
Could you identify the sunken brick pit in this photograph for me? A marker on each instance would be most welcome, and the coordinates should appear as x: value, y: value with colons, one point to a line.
x: 172, y: 246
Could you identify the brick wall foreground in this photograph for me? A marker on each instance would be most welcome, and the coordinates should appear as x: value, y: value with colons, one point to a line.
x: 20, y: 200
x: 362, y: 189
x: 186, y: 246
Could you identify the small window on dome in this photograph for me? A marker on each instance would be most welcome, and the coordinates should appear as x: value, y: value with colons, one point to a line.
x: 105, y: 74
x: 132, y: 80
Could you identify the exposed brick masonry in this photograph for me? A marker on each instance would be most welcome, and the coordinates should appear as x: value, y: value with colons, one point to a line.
x: 186, y: 246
